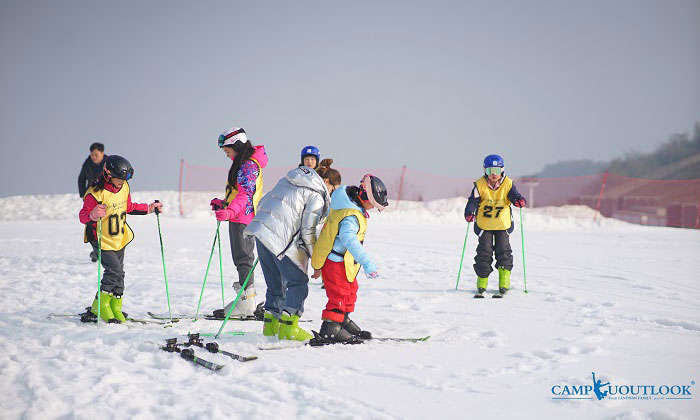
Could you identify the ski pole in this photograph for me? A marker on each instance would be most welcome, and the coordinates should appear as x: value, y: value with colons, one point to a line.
x: 238, y: 296
x: 206, y: 273
x: 522, y: 236
x: 99, y: 267
x: 162, y: 254
x: 221, y: 269
x: 461, y: 260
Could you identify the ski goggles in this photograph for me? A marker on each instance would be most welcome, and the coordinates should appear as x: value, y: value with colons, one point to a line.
x: 494, y: 170
x: 224, y: 137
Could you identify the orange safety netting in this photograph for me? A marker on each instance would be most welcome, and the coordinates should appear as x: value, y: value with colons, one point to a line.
x: 642, y: 201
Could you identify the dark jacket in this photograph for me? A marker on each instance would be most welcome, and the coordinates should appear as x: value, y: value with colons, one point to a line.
x: 88, y: 174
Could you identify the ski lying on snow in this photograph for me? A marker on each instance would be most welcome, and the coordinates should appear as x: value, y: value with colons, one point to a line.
x: 213, y: 347
x: 209, y: 317
x: 171, y: 346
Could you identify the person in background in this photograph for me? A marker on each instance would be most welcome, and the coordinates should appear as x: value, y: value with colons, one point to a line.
x: 489, y: 204
x: 244, y: 189
x: 285, y: 227
x: 91, y: 170
x: 310, y: 157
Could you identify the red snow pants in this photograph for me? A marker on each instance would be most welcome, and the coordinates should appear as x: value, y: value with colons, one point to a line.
x: 341, y: 293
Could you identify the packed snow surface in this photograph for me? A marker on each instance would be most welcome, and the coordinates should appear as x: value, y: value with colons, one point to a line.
x: 619, y: 300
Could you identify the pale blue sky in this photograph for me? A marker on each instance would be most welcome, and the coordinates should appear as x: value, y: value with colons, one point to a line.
x: 435, y: 85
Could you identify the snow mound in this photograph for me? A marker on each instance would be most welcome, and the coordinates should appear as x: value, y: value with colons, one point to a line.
x: 196, y: 206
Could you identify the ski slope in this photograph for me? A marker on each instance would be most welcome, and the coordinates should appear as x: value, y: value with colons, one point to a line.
x: 619, y: 300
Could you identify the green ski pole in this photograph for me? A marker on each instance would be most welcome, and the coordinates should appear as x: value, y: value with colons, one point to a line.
x: 206, y: 273
x: 522, y: 236
x: 162, y: 254
x: 461, y: 260
x: 99, y: 267
x: 238, y: 296
x: 221, y: 269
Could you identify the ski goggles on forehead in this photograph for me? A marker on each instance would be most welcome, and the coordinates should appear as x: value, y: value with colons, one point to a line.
x: 494, y: 170
x: 224, y: 137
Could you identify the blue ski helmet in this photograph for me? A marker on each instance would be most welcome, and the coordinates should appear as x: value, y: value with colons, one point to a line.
x: 311, y: 151
x: 493, y: 161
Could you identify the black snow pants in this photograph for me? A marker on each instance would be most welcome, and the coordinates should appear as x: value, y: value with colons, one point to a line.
x: 113, y: 277
x: 491, y: 241
x: 242, y: 251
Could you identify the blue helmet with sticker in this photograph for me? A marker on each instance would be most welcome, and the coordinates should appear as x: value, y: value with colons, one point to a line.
x: 311, y: 151
x: 493, y: 161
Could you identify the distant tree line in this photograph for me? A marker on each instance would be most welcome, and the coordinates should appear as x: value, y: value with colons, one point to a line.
x: 676, y: 158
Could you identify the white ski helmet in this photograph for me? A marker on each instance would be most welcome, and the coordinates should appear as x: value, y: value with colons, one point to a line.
x: 232, y: 136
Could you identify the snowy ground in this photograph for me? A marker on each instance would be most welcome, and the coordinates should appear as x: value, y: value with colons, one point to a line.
x: 619, y: 300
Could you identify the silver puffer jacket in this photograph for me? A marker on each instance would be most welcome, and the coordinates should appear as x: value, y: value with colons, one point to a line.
x: 288, y: 217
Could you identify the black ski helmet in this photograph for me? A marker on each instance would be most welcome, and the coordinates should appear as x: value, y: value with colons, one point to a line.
x: 119, y: 167
x: 374, y: 191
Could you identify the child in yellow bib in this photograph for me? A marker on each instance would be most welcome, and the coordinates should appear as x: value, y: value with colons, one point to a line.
x: 489, y: 205
x: 338, y: 254
x: 109, y: 199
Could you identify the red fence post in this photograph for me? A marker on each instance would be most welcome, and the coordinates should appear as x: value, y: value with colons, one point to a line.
x: 182, y: 164
x: 403, y: 173
x: 600, y: 196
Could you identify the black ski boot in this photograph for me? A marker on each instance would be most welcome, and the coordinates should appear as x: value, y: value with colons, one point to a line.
x: 350, y: 326
x: 332, y: 332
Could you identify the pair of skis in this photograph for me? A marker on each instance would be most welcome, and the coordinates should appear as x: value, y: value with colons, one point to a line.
x: 186, y: 351
x: 496, y: 295
x: 89, y: 317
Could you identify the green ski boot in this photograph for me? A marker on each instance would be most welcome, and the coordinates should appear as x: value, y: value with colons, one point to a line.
x: 481, y: 283
x: 105, y: 310
x: 116, y: 306
x: 503, y: 280
x: 290, y: 330
x: 271, y: 326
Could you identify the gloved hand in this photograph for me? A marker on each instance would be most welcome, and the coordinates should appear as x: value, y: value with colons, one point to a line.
x: 217, y: 204
x: 520, y: 202
x: 98, y: 211
x: 155, y: 205
x: 469, y: 217
x: 373, y: 275
x: 224, y: 215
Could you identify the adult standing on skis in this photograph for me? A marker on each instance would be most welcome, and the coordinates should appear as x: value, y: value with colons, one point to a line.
x: 109, y: 199
x: 244, y: 189
x: 284, y: 228
x: 489, y: 204
x: 339, y: 254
